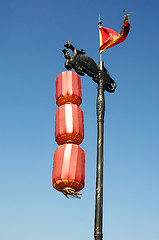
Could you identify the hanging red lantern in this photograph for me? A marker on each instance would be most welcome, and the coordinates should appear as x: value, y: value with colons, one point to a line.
x: 69, y: 159
x: 68, y: 88
x: 69, y: 124
x: 69, y: 169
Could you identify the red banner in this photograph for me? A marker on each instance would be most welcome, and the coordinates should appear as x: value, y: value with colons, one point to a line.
x: 109, y: 38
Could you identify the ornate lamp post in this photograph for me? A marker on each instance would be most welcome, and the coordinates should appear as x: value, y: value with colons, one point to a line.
x: 85, y: 65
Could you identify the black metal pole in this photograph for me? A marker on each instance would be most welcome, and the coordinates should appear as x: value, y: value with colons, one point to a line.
x: 98, y: 234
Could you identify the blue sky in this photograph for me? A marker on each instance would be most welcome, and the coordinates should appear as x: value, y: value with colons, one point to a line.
x: 32, y: 34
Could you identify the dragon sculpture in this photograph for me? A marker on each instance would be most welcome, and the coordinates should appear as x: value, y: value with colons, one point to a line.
x: 83, y: 64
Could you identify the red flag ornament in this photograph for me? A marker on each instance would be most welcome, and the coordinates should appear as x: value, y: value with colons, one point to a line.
x: 109, y: 38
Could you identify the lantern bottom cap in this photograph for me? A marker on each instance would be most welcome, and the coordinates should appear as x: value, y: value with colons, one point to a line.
x: 70, y: 192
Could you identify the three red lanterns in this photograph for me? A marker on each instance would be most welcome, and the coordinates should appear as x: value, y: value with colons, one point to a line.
x: 69, y: 159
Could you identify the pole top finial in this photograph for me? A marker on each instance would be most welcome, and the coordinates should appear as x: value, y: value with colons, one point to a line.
x: 99, y: 22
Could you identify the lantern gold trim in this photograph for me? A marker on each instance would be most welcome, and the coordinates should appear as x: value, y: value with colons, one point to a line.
x: 69, y: 138
x: 68, y: 99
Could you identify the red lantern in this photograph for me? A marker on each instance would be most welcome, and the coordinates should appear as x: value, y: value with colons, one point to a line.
x: 69, y: 124
x: 69, y: 159
x: 68, y: 88
x: 69, y: 169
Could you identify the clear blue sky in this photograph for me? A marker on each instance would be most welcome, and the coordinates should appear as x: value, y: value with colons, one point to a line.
x: 32, y: 34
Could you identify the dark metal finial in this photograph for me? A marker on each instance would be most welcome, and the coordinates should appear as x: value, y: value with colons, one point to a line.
x: 99, y: 22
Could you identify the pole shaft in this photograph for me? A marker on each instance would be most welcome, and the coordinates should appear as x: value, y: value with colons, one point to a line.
x: 98, y: 234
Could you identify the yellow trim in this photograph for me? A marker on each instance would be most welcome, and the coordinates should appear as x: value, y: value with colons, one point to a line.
x: 59, y: 185
x: 100, y: 36
x: 69, y: 138
x: 67, y: 99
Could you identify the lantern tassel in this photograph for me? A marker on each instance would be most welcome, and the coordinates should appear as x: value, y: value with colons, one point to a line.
x: 70, y: 192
